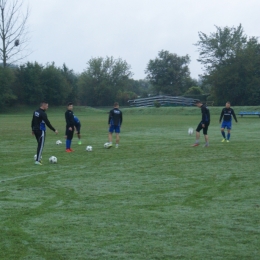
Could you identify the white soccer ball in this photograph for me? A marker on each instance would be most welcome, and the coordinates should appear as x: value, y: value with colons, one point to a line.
x: 58, y: 142
x: 53, y: 159
x: 190, y: 131
x: 89, y: 148
x: 35, y: 157
x: 106, y: 145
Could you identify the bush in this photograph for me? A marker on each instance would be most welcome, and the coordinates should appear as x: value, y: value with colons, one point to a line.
x: 157, y: 103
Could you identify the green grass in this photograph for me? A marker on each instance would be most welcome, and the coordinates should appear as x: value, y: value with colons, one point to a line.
x: 155, y: 197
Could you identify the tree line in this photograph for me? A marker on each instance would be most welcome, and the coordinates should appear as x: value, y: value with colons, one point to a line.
x: 231, y: 62
x: 232, y: 66
x: 104, y: 81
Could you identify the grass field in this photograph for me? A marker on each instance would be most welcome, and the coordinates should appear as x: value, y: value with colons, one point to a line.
x: 155, y: 197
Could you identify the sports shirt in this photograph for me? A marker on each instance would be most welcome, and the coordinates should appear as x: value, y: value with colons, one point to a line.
x: 227, y: 113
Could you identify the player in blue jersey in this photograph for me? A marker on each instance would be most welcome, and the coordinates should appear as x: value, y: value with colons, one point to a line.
x: 39, y: 120
x: 203, y: 125
x: 77, y: 128
x: 227, y: 113
x: 115, y: 120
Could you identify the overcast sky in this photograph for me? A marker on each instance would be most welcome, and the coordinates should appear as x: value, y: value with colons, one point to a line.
x: 72, y: 32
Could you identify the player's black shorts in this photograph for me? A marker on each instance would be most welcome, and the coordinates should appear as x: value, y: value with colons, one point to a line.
x: 205, y: 128
x: 69, y: 133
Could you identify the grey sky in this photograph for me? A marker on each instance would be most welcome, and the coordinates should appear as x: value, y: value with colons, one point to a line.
x: 72, y: 32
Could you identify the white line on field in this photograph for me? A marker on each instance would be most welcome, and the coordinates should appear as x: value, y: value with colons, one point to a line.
x: 24, y: 176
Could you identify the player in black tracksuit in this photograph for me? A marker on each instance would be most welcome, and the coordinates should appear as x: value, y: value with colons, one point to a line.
x: 70, y: 124
x: 204, y: 124
x: 39, y: 120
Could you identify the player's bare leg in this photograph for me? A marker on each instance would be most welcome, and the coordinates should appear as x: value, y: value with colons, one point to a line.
x: 197, y: 136
x: 197, y: 139
x: 206, y: 140
x: 117, y: 140
x: 110, y: 139
x: 79, y: 139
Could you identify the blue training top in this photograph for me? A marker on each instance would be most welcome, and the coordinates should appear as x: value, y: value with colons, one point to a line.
x: 76, y: 120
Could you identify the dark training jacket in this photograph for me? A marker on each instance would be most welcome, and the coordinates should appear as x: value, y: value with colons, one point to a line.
x: 205, y: 115
x: 69, y: 117
x: 115, y: 117
x: 39, y: 120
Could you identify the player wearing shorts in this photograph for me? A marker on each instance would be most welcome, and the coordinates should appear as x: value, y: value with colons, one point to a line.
x: 69, y: 117
x: 203, y: 125
x: 77, y: 125
x: 227, y: 113
x: 115, y: 120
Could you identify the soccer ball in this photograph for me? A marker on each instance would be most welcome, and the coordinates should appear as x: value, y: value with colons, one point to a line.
x: 190, y: 131
x: 106, y: 145
x: 58, y: 142
x: 89, y: 148
x: 53, y: 159
x: 35, y: 157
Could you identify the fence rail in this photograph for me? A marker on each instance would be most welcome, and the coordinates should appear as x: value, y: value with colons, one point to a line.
x: 163, y: 100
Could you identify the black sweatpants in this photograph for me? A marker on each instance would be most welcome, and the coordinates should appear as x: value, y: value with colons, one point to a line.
x: 40, y: 137
x: 69, y: 133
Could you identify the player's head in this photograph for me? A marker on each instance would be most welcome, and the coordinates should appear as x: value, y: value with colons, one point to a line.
x: 70, y: 106
x: 44, y: 105
x: 227, y: 104
x: 198, y: 103
x: 116, y: 105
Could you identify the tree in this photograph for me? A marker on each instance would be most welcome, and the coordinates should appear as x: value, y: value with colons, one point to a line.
x: 238, y: 80
x: 123, y: 97
x: 232, y: 63
x: 28, y: 86
x: 72, y: 81
x: 218, y: 47
x: 102, y: 80
x: 140, y: 87
x: 35, y: 82
x: 55, y: 86
x: 169, y: 73
x: 194, y: 91
x: 6, y: 80
x: 12, y: 31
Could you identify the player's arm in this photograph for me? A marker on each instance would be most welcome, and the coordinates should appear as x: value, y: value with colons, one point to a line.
x: 121, y: 118
x: 32, y: 121
x: 234, y: 115
x: 110, y: 116
x: 47, y: 122
x: 204, y: 116
x: 32, y: 124
x: 221, y: 115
